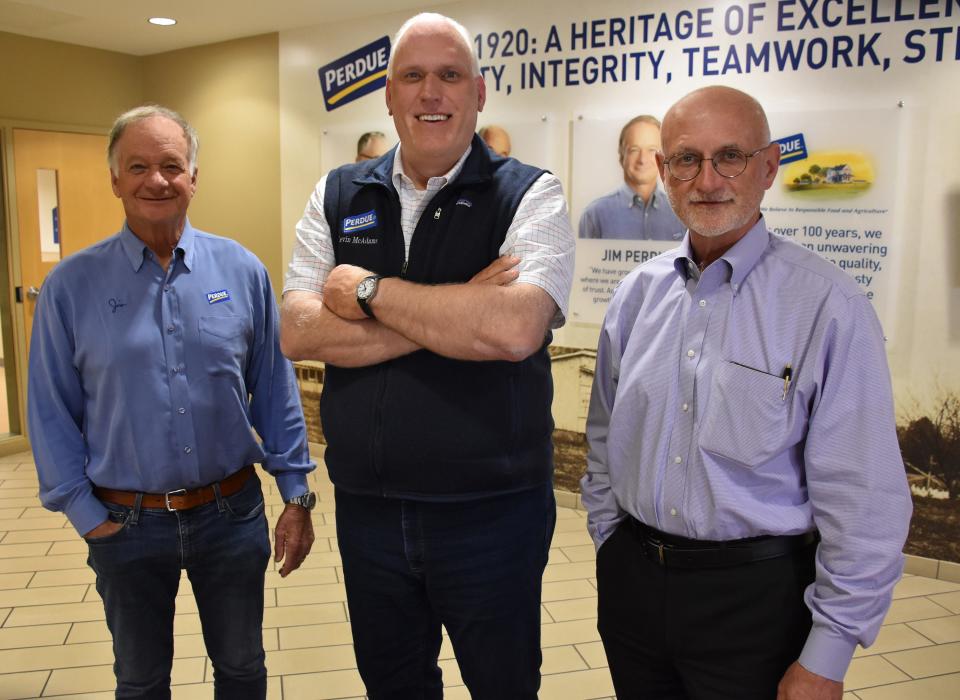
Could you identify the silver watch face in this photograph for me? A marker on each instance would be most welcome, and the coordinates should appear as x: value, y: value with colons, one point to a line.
x: 366, y: 288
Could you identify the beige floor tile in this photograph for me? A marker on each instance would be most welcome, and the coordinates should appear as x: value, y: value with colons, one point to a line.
x: 911, y: 609
x: 10, y: 512
x: 568, y: 513
x: 54, y: 657
x: 574, y: 632
x: 564, y: 610
x: 911, y: 586
x: 304, y: 636
x: 573, y: 538
x: 562, y: 660
x: 949, y: 571
x: 556, y: 556
x: 941, y: 630
x: 52, y: 614
x: 42, y: 596
x: 37, y: 511
x: 50, y: 520
x: 4, y: 614
x: 323, y: 686
x: 930, y: 661
x: 42, y: 635
x: 303, y: 595
x: 22, y: 685
x: 582, y: 552
x: 312, y: 660
x: 47, y: 563
x: 32, y: 549
x: 186, y: 623
x: 950, y: 601
x: 593, y: 654
x: 894, y: 638
x: 271, y: 639
x: 75, y: 545
x: 306, y: 577
x: 288, y: 616
x: 920, y: 566
x: 937, y: 688
x: 567, y: 572
x: 568, y: 590
x: 18, y: 494
x: 577, y: 685
x: 13, y: 581
x: 570, y: 525
x: 47, y: 535
x: 21, y: 481
x: 81, y: 632
x: 870, y: 671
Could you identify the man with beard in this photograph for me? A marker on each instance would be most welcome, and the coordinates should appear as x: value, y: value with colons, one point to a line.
x: 744, y: 483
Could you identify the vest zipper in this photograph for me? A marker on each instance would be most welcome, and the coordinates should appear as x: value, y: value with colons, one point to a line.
x: 403, y: 270
x: 436, y: 214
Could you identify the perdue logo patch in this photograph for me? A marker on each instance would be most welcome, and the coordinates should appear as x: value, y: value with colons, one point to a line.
x: 792, y: 148
x: 360, y: 222
x: 217, y: 297
x: 356, y: 74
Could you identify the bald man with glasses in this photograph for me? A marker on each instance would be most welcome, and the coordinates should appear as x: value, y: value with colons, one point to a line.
x: 744, y: 484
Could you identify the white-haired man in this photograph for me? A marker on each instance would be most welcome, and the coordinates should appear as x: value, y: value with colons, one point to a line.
x: 154, y: 355
x: 428, y: 280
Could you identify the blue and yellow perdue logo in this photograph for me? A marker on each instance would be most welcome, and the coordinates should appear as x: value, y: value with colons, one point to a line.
x: 356, y: 74
x: 360, y: 222
x: 792, y: 148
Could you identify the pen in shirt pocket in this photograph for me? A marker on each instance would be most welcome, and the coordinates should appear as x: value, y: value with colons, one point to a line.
x: 787, y: 378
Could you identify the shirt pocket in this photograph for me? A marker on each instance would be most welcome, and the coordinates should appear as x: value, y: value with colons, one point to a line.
x: 747, y: 419
x: 224, y: 340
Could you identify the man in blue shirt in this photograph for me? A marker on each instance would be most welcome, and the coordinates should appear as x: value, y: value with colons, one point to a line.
x: 154, y: 356
x: 638, y: 209
x: 744, y: 485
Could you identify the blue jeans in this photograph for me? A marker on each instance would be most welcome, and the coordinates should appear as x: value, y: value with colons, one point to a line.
x: 224, y: 547
x: 474, y: 567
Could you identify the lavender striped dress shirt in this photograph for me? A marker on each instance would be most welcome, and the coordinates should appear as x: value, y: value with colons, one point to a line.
x: 694, y: 431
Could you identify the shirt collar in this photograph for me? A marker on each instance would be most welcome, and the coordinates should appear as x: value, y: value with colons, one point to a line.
x: 435, y: 183
x: 740, y: 259
x: 135, y: 249
x: 627, y: 196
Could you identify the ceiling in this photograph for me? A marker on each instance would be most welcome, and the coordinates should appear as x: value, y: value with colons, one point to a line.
x: 121, y: 25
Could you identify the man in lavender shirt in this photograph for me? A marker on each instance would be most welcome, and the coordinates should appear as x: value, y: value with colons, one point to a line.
x: 744, y: 482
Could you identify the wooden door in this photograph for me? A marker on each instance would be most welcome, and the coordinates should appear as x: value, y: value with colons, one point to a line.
x: 87, y: 209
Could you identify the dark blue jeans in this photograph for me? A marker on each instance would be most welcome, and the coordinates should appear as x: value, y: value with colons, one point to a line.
x: 224, y: 547
x: 474, y: 567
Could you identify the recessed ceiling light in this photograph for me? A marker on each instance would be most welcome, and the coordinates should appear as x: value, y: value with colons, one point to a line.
x: 162, y: 21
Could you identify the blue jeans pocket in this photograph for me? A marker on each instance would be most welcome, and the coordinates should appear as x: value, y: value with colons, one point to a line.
x: 247, y: 503
x: 115, y: 514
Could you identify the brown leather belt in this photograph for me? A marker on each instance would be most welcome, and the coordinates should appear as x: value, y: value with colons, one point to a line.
x: 180, y: 499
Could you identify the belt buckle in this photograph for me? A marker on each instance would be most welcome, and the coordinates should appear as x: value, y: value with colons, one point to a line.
x: 176, y: 492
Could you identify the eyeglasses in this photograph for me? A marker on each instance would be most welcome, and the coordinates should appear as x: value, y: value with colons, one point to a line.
x: 729, y: 163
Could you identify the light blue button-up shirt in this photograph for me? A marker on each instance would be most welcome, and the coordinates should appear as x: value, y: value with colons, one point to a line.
x: 623, y: 215
x: 694, y: 430
x: 149, y: 380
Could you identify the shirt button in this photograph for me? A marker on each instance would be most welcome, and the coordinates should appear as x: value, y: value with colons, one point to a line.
x: 169, y: 329
x: 673, y: 511
x: 677, y: 459
x: 181, y: 410
x: 690, y: 353
x: 188, y: 450
x: 703, y: 302
x: 685, y: 407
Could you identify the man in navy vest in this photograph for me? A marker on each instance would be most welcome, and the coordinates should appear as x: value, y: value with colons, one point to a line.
x: 428, y: 281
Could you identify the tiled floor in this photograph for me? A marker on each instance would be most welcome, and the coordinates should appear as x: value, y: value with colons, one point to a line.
x: 53, y: 642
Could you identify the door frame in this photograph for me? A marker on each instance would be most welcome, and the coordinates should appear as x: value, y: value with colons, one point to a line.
x: 15, y: 344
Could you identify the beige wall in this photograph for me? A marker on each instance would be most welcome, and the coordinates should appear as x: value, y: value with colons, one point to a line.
x: 47, y: 81
x: 230, y: 93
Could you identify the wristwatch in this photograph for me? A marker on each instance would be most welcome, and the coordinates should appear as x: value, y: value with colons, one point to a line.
x: 307, y: 500
x: 366, y: 291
